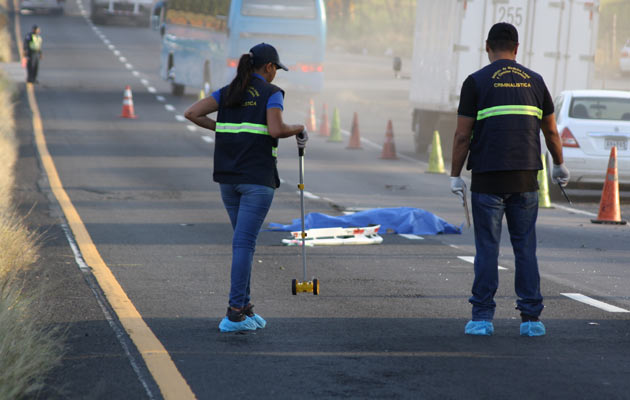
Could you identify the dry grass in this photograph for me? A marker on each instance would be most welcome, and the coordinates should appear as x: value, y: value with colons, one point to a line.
x: 28, y: 350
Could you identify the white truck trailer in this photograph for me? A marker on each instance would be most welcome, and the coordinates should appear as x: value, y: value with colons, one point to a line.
x: 557, y: 39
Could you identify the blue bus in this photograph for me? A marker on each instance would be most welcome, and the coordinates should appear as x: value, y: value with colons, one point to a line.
x: 202, y: 40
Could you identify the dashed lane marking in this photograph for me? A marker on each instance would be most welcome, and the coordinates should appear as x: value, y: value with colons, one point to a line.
x: 192, y: 128
x: 471, y: 259
x: 411, y: 236
x: 595, y: 303
x: 207, y: 139
x: 169, y: 107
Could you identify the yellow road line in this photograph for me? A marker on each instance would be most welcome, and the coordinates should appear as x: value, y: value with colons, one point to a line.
x: 170, y: 381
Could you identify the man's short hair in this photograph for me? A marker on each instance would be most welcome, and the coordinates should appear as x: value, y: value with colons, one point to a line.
x: 501, y: 45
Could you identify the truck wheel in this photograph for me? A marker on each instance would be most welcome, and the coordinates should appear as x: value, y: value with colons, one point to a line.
x: 177, y: 89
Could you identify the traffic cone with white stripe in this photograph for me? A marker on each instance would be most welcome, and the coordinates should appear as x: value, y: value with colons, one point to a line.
x: 127, y: 108
x: 609, y: 211
x: 389, y: 147
x: 355, y: 138
x: 311, y: 123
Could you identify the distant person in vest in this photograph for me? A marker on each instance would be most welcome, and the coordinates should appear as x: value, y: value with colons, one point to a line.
x: 248, y: 126
x: 32, y: 53
x: 505, y: 105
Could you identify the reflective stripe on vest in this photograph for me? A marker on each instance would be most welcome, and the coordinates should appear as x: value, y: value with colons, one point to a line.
x: 258, y: 129
x: 36, y: 43
x: 242, y: 127
x: 509, y: 110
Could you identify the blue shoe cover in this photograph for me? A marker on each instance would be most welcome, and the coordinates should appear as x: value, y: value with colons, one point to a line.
x: 479, y: 328
x: 533, y: 328
x: 258, y: 320
x: 245, y: 325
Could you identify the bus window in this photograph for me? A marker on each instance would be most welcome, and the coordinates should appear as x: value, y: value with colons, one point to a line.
x: 292, y: 9
x: 198, y: 14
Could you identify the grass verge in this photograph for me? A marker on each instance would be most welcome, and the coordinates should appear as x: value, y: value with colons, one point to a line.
x: 28, y: 349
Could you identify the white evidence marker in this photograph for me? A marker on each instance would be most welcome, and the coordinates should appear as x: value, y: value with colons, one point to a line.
x: 471, y: 260
x: 169, y: 107
x: 595, y: 303
x: 207, y: 139
x: 411, y: 236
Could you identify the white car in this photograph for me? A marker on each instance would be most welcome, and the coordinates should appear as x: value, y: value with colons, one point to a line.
x: 590, y: 123
x: 52, y: 6
x: 624, y: 58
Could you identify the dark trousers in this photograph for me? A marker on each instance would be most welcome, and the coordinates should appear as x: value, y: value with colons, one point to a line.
x: 32, y: 65
x: 521, y: 211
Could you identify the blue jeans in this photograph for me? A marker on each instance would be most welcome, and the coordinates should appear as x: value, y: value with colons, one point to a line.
x: 521, y: 211
x: 247, y: 206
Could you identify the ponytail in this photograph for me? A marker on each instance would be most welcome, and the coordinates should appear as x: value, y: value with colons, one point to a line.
x: 237, y: 87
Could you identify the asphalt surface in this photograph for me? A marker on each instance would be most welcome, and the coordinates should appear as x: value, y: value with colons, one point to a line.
x: 389, y: 320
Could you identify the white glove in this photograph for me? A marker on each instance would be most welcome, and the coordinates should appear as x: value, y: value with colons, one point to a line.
x: 560, y: 174
x: 458, y: 186
x: 302, y: 138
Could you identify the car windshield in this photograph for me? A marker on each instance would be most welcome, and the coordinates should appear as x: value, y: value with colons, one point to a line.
x: 302, y: 9
x: 609, y: 108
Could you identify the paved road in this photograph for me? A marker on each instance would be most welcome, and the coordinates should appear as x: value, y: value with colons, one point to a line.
x: 389, y: 321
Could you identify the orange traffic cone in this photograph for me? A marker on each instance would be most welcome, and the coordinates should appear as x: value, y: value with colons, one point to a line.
x: 389, y: 148
x: 127, y: 109
x: 311, y: 124
x: 609, y: 212
x: 355, y: 139
x: 324, y: 126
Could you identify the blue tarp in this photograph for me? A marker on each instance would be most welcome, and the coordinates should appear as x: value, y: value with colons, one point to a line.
x: 399, y: 220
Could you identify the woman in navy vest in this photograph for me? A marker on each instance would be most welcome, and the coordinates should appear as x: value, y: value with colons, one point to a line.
x: 248, y: 126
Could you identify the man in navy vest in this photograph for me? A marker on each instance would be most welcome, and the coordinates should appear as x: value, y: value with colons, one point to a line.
x: 502, y: 109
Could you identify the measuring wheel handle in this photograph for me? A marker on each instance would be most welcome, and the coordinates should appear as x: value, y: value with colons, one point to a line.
x: 294, y: 287
x: 315, y: 287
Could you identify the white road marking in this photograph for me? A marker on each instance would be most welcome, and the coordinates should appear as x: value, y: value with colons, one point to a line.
x: 169, y: 107
x: 573, y: 210
x: 122, y: 59
x: 207, y: 139
x: 310, y: 195
x: 144, y: 82
x: 106, y: 41
x: 453, y: 246
x: 159, y: 98
x: 151, y: 89
x: 180, y: 118
x: 471, y: 260
x: 191, y: 128
x: 135, y: 73
x: 116, y: 53
x: 595, y: 303
x: 411, y: 236
x: 128, y: 66
x: 111, y: 47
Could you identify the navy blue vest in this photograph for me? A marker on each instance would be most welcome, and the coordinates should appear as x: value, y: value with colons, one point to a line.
x: 244, y: 151
x: 506, y: 133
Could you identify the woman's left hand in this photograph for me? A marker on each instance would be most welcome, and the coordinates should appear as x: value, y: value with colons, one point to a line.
x: 302, y: 138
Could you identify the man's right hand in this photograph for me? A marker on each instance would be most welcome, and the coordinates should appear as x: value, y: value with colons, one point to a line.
x: 458, y: 186
x: 302, y: 138
x: 560, y: 174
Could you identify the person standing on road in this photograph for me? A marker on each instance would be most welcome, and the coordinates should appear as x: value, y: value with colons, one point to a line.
x: 505, y: 105
x: 32, y: 53
x: 248, y: 126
